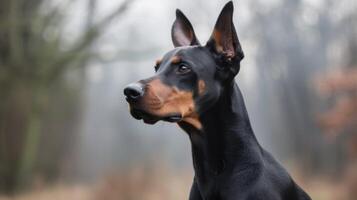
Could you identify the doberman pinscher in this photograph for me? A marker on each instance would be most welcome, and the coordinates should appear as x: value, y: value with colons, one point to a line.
x: 194, y: 86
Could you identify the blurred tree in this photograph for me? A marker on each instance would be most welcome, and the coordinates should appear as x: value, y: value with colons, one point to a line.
x: 339, y: 121
x: 294, y: 41
x: 39, y: 98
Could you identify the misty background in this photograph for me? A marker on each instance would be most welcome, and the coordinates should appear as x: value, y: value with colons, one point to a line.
x: 65, y: 129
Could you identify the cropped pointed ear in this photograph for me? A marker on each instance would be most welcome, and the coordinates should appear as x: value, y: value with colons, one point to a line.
x: 224, y: 40
x: 182, y: 32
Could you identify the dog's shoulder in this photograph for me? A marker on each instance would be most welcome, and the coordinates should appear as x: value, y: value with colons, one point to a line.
x: 275, y: 178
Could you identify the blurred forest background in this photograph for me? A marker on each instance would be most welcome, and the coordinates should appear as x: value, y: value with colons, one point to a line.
x: 65, y: 129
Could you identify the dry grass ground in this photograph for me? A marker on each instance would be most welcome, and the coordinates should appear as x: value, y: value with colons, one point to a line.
x: 139, y: 184
x: 136, y: 184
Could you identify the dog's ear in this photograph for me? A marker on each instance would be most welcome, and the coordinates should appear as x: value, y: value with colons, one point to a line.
x: 224, y: 40
x: 182, y: 32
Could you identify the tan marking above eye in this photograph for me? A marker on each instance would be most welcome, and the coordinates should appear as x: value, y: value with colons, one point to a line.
x: 175, y: 60
x: 163, y: 100
x: 201, y: 87
x: 158, y: 62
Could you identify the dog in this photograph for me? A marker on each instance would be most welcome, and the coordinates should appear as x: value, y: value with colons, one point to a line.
x: 194, y: 87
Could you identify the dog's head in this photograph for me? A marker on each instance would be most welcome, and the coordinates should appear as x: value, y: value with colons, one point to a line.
x: 189, y: 79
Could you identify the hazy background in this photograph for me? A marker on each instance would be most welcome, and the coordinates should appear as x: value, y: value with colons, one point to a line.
x: 65, y: 129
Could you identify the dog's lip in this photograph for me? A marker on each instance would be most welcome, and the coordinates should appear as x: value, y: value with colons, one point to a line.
x: 173, y: 118
x: 152, y: 119
x: 136, y: 114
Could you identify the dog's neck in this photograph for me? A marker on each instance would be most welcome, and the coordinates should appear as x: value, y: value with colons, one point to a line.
x: 226, y: 139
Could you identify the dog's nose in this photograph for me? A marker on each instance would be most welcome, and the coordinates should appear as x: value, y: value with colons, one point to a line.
x: 133, y: 91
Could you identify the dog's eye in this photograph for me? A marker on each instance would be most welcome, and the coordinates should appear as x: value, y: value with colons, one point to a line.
x: 183, y: 69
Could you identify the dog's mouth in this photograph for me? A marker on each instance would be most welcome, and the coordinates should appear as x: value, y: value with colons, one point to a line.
x: 152, y: 119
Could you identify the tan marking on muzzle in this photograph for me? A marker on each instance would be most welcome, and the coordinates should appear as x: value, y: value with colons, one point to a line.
x: 194, y: 121
x: 162, y: 100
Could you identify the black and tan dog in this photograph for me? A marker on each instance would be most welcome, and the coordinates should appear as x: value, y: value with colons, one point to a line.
x: 194, y: 86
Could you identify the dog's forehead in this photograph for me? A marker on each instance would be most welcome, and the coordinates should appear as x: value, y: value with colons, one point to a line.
x: 180, y: 52
x: 198, y: 57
